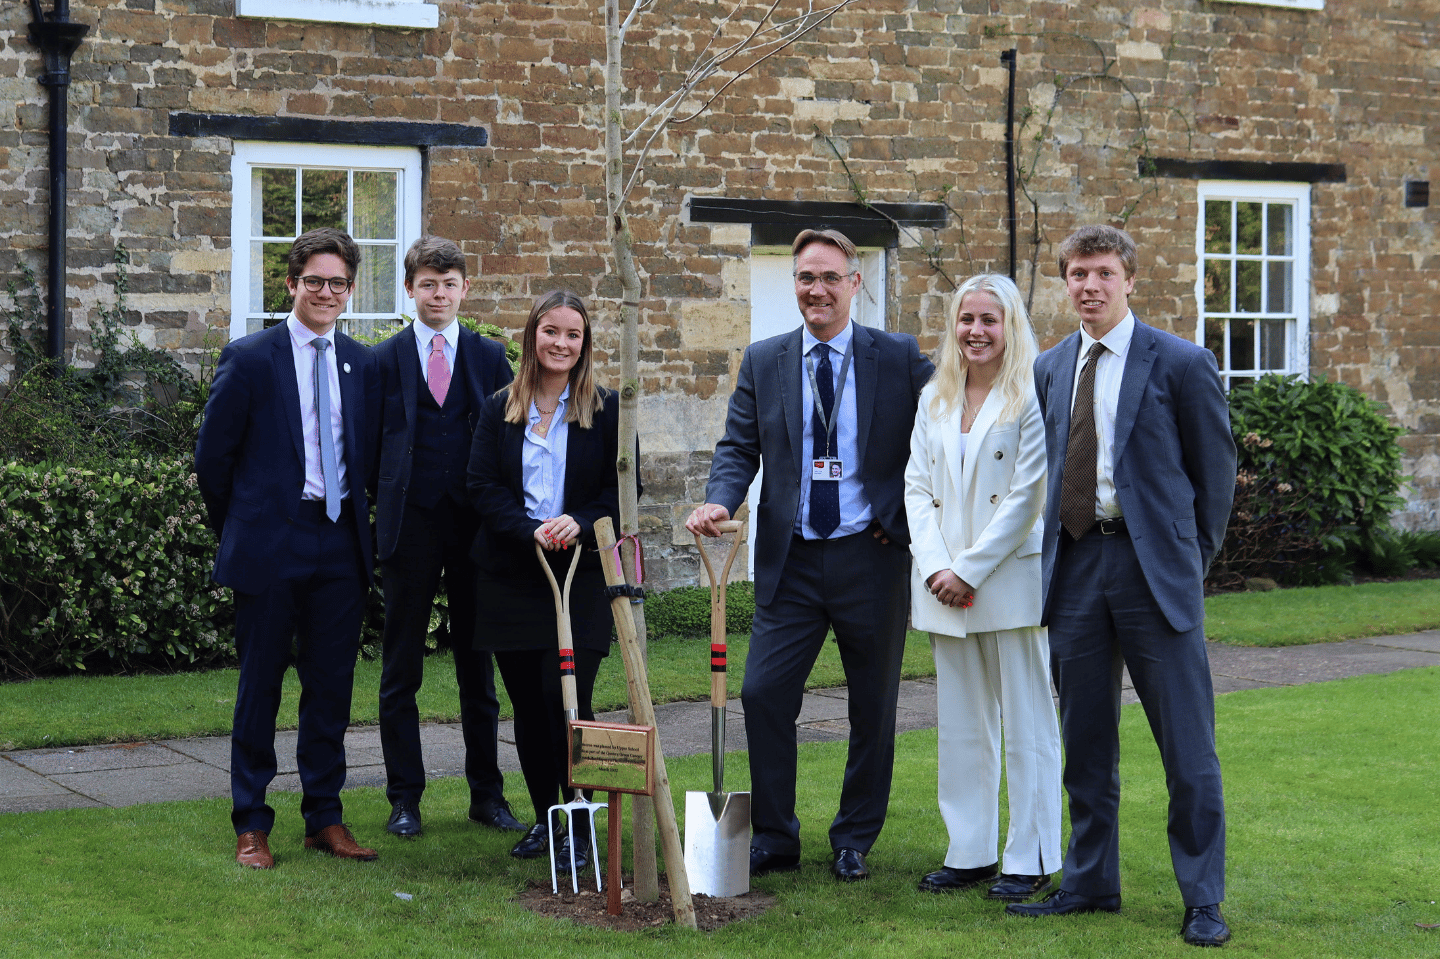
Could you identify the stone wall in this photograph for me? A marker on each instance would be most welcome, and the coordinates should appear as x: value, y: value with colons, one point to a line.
x: 898, y: 100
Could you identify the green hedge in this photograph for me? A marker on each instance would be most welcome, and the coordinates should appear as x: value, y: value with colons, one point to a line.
x: 685, y: 611
x: 1319, y: 478
x: 107, y: 569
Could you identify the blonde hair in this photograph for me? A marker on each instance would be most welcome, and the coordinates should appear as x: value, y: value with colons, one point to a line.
x: 585, y: 395
x: 1016, y: 381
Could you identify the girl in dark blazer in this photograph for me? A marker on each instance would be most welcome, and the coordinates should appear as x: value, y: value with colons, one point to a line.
x: 542, y: 470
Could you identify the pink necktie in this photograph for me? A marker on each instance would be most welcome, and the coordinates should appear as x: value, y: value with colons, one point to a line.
x: 436, y: 371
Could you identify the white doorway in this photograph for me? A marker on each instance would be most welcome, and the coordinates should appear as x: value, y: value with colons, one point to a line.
x: 773, y: 311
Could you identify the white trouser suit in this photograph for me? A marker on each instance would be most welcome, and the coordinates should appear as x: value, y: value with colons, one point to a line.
x: 973, y: 502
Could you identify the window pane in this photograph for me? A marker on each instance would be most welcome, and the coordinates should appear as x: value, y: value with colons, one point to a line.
x: 1217, y: 226
x: 374, y: 205
x: 1279, y: 240
x: 1272, y: 344
x: 1241, y: 382
x: 1247, y: 227
x: 1217, y: 286
x: 1242, y: 344
x: 269, y: 262
x: 322, y: 199
x: 1247, y: 286
x: 1215, y: 340
x: 1281, y: 275
x: 272, y: 202
x: 375, y: 283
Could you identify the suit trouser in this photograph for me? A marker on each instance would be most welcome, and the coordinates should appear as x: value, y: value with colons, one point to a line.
x: 318, y: 602
x: 1103, y: 617
x: 861, y: 588
x: 433, y: 540
x: 982, y: 680
x: 532, y: 681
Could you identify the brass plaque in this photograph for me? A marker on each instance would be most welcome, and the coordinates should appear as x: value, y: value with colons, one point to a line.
x: 612, y: 757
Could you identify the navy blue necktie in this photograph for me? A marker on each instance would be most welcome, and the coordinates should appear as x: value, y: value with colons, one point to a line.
x: 824, y: 495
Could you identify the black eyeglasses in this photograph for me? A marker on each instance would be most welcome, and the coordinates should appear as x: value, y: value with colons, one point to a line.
x: 832, y: 280
x: 338, y: 284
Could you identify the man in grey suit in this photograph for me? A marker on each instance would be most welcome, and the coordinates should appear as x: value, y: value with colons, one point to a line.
x: 1142, y: 475
x: 828, y: 409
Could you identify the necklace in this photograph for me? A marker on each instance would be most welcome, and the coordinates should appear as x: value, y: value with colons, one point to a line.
x: 544, y: 412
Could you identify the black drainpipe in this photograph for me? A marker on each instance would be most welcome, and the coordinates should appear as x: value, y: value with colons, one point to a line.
x: 1008, y: 59
x: 57, y: 38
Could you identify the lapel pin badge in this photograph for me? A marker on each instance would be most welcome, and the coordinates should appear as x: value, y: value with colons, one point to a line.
x: 347, y: 367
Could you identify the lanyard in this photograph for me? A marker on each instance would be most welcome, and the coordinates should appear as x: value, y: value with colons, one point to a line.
x: 832, y: 421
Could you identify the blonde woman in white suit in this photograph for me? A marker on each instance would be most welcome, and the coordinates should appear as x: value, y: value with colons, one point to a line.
x: 974, y: 494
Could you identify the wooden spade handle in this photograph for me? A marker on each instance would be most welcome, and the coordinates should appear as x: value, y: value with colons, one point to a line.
x: 718, y: 660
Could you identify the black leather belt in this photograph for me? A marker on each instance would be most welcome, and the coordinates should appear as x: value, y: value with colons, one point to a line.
x: 1111, y: 526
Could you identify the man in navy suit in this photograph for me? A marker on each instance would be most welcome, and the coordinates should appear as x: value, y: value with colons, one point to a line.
x: 828, y: 408
x: 282, y: 459
x: 1141, y: 479
x: 436, y: 374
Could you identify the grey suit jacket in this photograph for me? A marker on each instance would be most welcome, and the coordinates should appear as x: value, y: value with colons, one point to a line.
x: 1174, y: 463
x: 764, y: 421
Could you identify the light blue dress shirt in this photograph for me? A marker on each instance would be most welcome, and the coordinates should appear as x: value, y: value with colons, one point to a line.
x: 855, y: 512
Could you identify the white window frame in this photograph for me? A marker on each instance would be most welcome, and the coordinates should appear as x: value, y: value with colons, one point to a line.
x: 405, y: 161
x: 409, y: 14
x: 1297, y: 345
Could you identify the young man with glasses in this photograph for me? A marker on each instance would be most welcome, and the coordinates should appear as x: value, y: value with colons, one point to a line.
x: 282, y: 460
x: 828, y: 408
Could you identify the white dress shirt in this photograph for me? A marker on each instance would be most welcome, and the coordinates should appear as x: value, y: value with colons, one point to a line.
x: 1109, y: 370
x: 542, y: 462
x: 300, y: 340
x: 424, y: 335
x: 855, y: 512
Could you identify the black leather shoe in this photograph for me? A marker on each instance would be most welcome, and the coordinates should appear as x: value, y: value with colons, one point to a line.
x: 946, y: 879
x: 404, y: 819
x: 534, y: 844
x: 576, y: 846
x: 1062, y: 903
x: 849, y: 865
x: 496, y: 815
x: 1204, y: 926
x: 1016, y: 888
x: 763, y: 862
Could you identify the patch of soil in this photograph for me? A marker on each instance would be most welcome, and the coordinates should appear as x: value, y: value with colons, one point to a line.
x: 587, y: 907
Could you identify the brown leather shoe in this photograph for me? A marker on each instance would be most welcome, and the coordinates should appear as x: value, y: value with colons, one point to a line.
x: 338, y: 841
x: 253, y: 849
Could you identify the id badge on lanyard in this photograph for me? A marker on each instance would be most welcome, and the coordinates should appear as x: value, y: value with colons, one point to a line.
x: 828, y: 469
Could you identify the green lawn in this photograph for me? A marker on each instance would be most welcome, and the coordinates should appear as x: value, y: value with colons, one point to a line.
x: 82, y: 710
x: 1332, y: 853
x: 1323, y: 614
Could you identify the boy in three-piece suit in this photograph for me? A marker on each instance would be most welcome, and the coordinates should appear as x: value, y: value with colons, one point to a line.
x: 435, y: 376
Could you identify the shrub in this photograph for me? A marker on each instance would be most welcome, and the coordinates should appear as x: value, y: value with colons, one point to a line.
x: 107, y: 569
x: 1319, y: 472
x: 685, y: 610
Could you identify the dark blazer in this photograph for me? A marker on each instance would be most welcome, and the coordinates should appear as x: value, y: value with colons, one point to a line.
x: 506, y: 541
x: 1174, y: 462
x: 250, y: 459
x: 764, y: 419
x: 480, y: 366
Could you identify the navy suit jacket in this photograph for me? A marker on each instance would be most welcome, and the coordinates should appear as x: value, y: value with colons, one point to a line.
x: 1174, y: 463
x: 480, y: 368
x: 250, y: 459
x: 496, y: 482
x: 764, y: 420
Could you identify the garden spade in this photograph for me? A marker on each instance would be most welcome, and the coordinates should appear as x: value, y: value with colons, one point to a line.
x: 717, y: 823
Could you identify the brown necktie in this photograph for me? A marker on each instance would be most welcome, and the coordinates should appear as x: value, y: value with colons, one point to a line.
x: 1077, y: 484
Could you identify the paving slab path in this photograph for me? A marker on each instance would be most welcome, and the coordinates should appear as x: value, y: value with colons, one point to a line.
x: 177, y: 769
